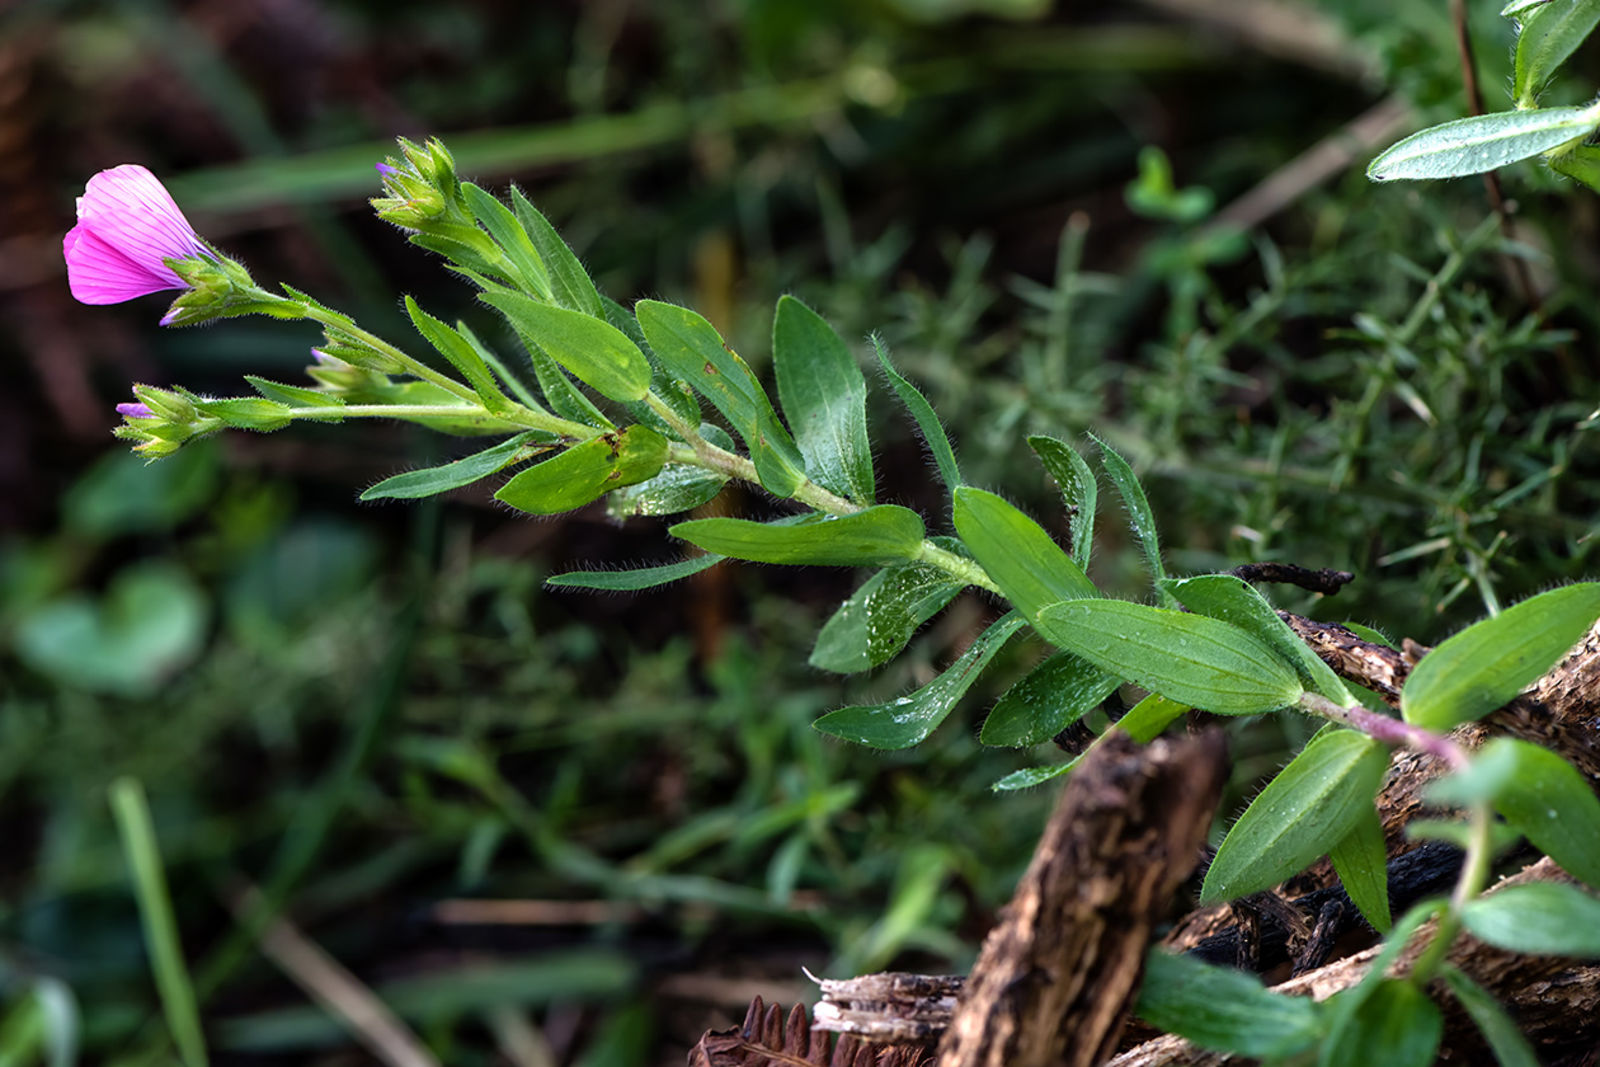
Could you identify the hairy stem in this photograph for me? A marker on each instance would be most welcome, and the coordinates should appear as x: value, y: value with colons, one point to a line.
x: 1390, y: 731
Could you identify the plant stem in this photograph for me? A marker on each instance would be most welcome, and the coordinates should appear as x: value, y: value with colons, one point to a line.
x: 1390, y: 731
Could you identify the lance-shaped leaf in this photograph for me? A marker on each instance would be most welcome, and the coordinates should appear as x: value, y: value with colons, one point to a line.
x: 872, y: 626
x: 1484, y: 666
x: 923, y: 415
x: 637, y: 578
x: 1078, y: 489
x: 1539, y: 918
x: 1542, y: 797
x: 878, y: 535
x: 587, y: 471
x: 296, y: 396
x: 462, y: 356
x: 1361, y: 859
x: 1029, y: 567
x: 248, y: 412
x: 1232, y: 599
x: 905, y: 721
x: 824, y: 397
x: 678, y: 488
x: 1550, y: 34
x: 1140, y: 517
x: 1499, y: 1030
x: 1481, y: 143
x: 1048, y: 699
x: 1187, y: 658
x: 1395, y: 1025
x: 1313, y: 803
x: 431, y: 480
x: 1582, y: 164
x: 691, y: 348
x: 523, y: 265
x: 570, y: 285
x: 1143, y: 722
x: 597, y: 353
x: 1223, y: 1009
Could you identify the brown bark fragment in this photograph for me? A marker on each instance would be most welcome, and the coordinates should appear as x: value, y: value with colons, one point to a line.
x: 1056, y: 978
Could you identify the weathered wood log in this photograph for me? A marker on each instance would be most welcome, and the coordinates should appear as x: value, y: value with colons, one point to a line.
x: 1553, y: 999
x: 1056, y: 978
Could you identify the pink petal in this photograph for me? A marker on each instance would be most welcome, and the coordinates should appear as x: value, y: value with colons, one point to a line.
x: 101, y: 273
x: 131, y: 214
x: 135, y: 411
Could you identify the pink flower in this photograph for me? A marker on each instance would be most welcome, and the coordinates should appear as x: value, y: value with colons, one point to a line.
x: 127, y: 227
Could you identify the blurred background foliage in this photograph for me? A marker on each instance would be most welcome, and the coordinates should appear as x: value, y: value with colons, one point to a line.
x: 554, y: 828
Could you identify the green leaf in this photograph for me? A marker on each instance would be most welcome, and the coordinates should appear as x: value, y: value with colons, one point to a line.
x: 1581, y: 164
x: 1051, y: 697
x: 1079, y: 490
x: 872, y: 626
x: 1190, y: 659
x: 525, y: 270
x: 1143, y: 722
x: 587, y: 471
x: 1551, y: 804
x: 1029, y: 567
x: 1510, y: 1048
x: 1549, y: 36
x: 1222, y: 1009
x: 596, y: 352
x: 570, y: 285
x: 905, y: 721
x: 462, y: 356
x: 824, y: 397
x: 691, y: 348
x: 1361, y: 859
x: 248, y: 413
x: 674, y: 392
x: 878, y: 535
x: 1481, y: 143
x: 431, y: 480
x: 1540, y: 918
x: 678, y: 488
x: 1140, y: 517
x: 1311, y: 806
x: 564, y: 398
x: 1233, y: 600
x: 1517, y: 9
x: 295, y: 396
x: 637, y: 578
x: 1484, y: 666
x: 923, y: 415
x: 1395, y: 1025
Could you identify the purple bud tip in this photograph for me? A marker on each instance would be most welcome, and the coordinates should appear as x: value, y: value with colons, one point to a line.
x: 135, y: 411
x: 386, y: 171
